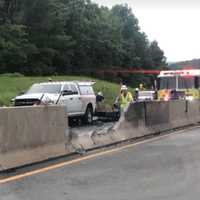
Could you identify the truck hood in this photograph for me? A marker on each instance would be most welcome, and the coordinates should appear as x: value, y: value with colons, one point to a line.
x: 39, y: 96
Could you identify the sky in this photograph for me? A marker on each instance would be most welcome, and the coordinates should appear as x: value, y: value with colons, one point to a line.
x: 173, y: 23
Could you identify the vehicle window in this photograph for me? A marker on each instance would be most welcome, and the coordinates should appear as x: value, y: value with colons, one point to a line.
x: 146, y: 94
x: 66, y: 88
x: 167, y: 83
x: 42, y: 88
x: 186, y: 82
x: 86, y: 90
x: 74, y: 89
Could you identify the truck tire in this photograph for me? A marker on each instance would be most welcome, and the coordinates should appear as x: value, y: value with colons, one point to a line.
x: 88, y: 117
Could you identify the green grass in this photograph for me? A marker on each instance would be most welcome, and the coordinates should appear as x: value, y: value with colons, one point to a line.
x: 12, y: 84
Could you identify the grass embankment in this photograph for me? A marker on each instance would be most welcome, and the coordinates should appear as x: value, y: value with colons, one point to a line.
x: 11, y: 85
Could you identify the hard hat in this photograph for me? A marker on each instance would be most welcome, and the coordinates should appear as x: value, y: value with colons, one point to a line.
x: 124, y: 87
x: 136, y: 89
x: 100, y: 94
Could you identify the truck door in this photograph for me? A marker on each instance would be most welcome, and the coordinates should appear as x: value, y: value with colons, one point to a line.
x: 66, y: 99
x: 76, y: 99
x: 72, y: 100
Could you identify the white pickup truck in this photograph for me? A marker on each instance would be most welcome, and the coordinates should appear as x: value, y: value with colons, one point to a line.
x: 78, y: 97
x: 146, y: 95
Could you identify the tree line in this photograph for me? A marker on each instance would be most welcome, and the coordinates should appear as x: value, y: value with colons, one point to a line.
x: 42, y: 37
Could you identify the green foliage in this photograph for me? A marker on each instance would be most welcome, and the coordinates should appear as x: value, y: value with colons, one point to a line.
x: 41, y: 37
x: 14, y: 47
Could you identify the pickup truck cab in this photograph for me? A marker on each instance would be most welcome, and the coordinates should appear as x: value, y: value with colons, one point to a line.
x: 78, y: 97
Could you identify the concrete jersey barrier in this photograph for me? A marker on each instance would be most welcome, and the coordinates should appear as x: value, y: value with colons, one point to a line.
x: 142, y: 119
x: 34, y: 134
x: 31, y: 134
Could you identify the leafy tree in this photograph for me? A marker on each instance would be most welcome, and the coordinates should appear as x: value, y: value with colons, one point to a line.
x: 157, y: 55
x: 68, y: 36
x: 15, y: 48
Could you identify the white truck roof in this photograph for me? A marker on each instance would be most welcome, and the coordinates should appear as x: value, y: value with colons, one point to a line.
x: 81, y: 83
x: 184, y: 72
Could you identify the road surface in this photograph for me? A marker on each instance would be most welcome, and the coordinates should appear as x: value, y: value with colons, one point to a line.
x: 168, y: 168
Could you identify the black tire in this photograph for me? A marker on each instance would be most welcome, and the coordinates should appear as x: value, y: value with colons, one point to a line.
x: 88, y: 117
x: 117, y: 116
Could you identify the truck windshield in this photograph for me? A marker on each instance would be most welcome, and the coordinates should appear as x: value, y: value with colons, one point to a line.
x: 42, y: 88
x: 186, y: 82
x: 167, y: 83
x: 183, y: 83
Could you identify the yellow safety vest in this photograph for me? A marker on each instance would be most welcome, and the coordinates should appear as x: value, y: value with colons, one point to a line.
x: 125, y: 100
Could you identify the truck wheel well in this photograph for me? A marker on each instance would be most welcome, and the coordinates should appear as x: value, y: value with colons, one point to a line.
x: 90, y: 106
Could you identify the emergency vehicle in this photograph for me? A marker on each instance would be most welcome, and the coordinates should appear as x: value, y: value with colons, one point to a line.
x: 179, y: 84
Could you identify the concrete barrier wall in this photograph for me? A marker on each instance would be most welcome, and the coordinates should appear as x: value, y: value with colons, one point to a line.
x: 142, y: 119
x: 193, y: 110
x: 178, y: 111
x: 31, y: 134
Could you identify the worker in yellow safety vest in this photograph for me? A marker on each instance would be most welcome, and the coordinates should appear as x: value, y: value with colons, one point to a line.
x: 141, y: 87
x: 125, y: 97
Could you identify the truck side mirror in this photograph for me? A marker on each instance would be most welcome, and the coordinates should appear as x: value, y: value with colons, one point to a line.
x: 99, y: 97
x: 157, y: 84
x: 196, y: 82
x: 154, y: 83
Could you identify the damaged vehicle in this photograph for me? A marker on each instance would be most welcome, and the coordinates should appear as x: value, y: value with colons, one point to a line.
x: 78, y: 97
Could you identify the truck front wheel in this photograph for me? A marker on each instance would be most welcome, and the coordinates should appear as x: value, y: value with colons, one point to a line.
x: 88, y: 117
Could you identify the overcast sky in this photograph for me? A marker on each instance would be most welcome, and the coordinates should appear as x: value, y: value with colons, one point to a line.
x: 175, y: 24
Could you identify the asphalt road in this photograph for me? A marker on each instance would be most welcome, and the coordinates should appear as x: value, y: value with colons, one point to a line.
x: 168, y: 168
